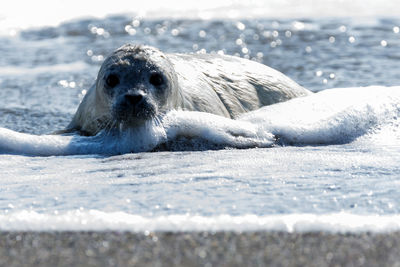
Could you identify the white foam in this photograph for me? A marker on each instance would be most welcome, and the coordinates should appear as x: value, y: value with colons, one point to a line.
x: 96, y: 220
x: 176, y: 124
x: 331, y: 117
x: 133, y: 140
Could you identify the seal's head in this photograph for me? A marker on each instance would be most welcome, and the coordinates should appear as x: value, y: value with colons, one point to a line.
x: 135, y: 83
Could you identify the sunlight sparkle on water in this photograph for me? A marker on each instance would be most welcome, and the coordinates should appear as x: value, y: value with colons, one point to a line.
x: 146, y: 190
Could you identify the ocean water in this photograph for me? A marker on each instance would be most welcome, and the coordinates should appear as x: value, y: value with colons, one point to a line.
x: 328, y: 162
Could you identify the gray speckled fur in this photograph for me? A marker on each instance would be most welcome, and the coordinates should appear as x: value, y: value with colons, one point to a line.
x: 222, y: 85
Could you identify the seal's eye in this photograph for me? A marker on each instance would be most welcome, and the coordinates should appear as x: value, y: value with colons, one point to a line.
x: 156, y: 79
x: 112, y: 80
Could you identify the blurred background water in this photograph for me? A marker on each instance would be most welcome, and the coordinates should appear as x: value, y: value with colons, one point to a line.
x: 48, y: 62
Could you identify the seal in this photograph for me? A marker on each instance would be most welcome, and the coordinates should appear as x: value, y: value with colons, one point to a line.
x: 137, y: 83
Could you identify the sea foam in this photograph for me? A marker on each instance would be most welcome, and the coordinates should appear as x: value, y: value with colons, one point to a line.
x: 95, y: 220
x: 332, y: 116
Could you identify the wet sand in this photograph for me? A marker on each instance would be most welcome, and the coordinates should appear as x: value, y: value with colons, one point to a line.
x: 198, y: 249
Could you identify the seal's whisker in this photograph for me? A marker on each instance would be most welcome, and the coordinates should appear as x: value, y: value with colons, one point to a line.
x: 110, y: 126
x: 157, y: 121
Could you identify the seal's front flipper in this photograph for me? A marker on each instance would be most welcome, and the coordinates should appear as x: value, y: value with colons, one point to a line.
x: 200, y: 131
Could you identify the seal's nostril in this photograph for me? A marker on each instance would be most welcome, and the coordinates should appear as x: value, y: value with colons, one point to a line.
x: 134, y: 99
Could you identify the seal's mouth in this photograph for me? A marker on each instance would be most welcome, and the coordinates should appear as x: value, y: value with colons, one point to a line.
x: 134, y: 109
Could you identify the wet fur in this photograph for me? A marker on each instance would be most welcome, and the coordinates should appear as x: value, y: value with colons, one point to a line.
x: 222, y: 85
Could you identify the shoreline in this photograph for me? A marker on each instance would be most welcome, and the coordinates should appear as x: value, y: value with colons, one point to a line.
x: 259, y: 248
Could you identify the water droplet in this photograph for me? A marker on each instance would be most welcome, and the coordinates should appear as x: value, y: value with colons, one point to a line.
x: 147, y: 30
x: 319, y: 73
x: 239, y: 41
x: 396, y: 29
x: 332, y: 39
x: 99, y: 31
x: 63, y: 83
x: 308, y: 49
x: 288, y: 34
x: 240, y: 26
x: 325, y: 81
x: 202, y: 34
x: 384, y: 43
x: 132, y: 32
x: 174, y: 32
x: 161, y: 30
x: 93, y: 30
x: 332, y: 75
x: 245, y: 50
x: 352, y: 39
x: 136, y: 23
x: 275, y: 34
x: 298, y: 25
x: 98, y: 58
x: 343, y: 28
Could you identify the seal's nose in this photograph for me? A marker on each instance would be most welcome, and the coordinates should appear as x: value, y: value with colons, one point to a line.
x: 134, y: 98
